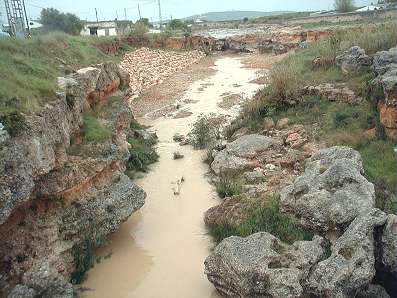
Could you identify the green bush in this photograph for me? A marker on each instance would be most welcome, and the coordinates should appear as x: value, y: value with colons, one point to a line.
x: 142, y: 155
x: 177, y: 155
x: 206, y: 131
x: 229, y: 184
x: 95, y: 131
x: 264, y: 218
x: 13, y: 123
x: 139, y: 31
x: 85, y: 257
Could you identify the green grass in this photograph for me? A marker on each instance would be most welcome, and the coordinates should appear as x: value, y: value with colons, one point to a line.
x: 29, y: 67
x: 229, y: 184
x: 380, y: 162
x: 263, y: 218
x: 95, y: 131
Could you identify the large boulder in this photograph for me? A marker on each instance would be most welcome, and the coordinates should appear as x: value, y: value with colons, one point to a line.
x: 262, y: 266
x: 43, y: 281
x: 331, y: 192
x: 351, y: 266
x: 384, y: 61
x: 353, y: 60
x: 238, y: 154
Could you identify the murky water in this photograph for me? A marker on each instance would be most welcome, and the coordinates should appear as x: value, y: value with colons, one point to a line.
x: 160, y: 251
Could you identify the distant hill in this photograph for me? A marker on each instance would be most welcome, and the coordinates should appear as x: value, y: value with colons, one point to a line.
x: 232, y: 15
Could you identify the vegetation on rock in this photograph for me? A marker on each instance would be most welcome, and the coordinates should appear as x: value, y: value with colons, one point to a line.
x: 229, y: 184
x: 263, y: 217
x: 333, y: 123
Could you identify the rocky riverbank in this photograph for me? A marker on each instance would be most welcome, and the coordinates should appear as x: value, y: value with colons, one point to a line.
x: 312, y: 219
x: 62, y: 184
x: 355, y: 243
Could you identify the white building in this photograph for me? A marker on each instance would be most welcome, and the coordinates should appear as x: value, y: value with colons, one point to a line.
x: 106, y: 28
x: 34, y: 24
x: 369, y: 8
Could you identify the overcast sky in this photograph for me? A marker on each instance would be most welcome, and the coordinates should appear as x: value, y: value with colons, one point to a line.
x: 85, y: 9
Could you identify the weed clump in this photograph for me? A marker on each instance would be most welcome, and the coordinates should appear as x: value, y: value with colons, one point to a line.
x: 142, y: 154
x: 177, y: 155
x: 85, y: 258
x: 95, y: 131
x: 229, y: 184
x: 264, y: 218
x: 206, y: 131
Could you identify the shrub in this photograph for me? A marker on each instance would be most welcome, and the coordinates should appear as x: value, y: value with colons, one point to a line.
x: 178, y: 25
x: 344, y: 5
x: 94, y: 131
x: 206, y: 131
x: 139, y: 31
x: 229, y: 184
x: 142, y: 154
x: 13, y: 123
x: 264, y: 218
x: 285, y: 81
x: 178, y: 155
x: 85, y: 257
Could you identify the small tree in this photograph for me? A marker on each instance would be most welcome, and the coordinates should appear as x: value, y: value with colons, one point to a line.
x: 344, y: 5
x: 53, y: 20
x: 145, y: 22
x: 178, y: 25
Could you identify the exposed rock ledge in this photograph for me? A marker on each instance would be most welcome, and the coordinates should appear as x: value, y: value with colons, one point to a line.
x: 52, y: 198
x: 332, y: 195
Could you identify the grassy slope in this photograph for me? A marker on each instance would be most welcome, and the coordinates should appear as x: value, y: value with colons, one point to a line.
x: 333, y: 123
x: 29, y: 68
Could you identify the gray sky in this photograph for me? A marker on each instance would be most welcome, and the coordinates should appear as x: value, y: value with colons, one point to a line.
x: 85, y: 9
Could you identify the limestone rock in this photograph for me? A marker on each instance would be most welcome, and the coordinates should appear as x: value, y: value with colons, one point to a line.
x: 238, y: 154
x: 248, y: 146
x: 373, y: 291
x: 223, y: 162
x: 107, y: 210
x: 254, y: 177
x: 332, y: 191
x: 338, y: 92
x: 262, y: 266
x: 384, y: 61
x: 21, y: 291
x: 231, y: 212
x: 351, y: 266
x: 389, y: 245
x: 353, y: 59
x: 47, y: 283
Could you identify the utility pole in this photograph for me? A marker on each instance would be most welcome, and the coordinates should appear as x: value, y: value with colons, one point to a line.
x: 117, y: 15
x: 96, y: 15
x: 125, y: 14
x: 26, y: 17
x: 160, y: 17
x: 139, y: 11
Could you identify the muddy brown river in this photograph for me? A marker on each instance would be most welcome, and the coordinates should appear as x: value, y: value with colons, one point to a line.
x: 160, y: 250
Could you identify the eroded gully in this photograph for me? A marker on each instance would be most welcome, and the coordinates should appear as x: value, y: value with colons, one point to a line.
x: 160, y: 250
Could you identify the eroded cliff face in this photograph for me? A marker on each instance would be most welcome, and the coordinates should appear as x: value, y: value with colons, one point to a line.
x: 60, y: 190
